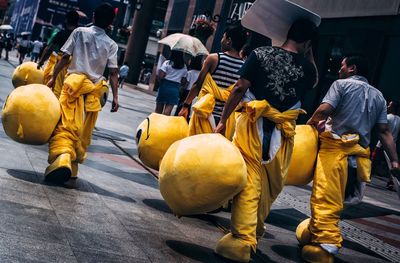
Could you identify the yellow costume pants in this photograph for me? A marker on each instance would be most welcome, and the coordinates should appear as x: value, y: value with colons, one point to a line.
x: 48, y: 73
x: 329, y: 185
x: 264, y: 181
x: 203, y: 108
x: 80, y: 105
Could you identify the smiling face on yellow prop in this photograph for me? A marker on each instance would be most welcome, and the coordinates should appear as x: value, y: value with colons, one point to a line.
x: 200, y: 173
x: 27, y: 73
x: 156, y: 134
x: 30, y: 114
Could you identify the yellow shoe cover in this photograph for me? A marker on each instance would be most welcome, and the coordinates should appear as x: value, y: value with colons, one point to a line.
x: 302, y: 163
x: 74, y: 170
x: 303, y: 233
x: 60, y: 170
x: 30, y: 114
x: 316, y: 254
x: 232, y: 248
x: 200, y: 173
x: 156, y: 134
x: 27, y: 73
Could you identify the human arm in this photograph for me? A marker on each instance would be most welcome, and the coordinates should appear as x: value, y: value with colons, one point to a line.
x: 321, y: 114
x: 46, y: 54
x: 234, y: 98
x: 208, y: 65
x: 386, y: 138
x: 57, y: 69
x: 114, y: 88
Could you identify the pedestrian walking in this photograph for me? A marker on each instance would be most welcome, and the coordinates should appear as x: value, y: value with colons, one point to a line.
x: 123, y: 74
x: 37, y: 46
x: 8, y: 44
x: 172, y: 76
x: 191, y: 78
x: 90, y: 51
x: 53, y: 53
x: 351, y: 108
x: 273, y: 82
x: 23, y: 48
x: 223, y: 68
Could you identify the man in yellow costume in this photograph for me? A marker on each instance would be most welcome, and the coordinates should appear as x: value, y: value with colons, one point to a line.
x: 91, y: 50
x: 53, y: 54
x: 218, y: 73
x: 273, y: 83
x: 351, y: 108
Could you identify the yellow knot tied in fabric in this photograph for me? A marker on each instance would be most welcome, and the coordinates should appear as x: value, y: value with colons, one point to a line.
x: 30, y: 114
x: 203, y: 108
x: 301, y: 167
x: 27, y: 73
x: 200, y: 173
x: 156, y: 134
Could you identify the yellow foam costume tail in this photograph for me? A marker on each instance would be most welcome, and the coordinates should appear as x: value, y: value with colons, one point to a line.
x: 27, y: 73
x: 203, y: 108
x: 78, y: 116
x: 200, y: 173
x: 156, y: 134
x: 30, y: 114
x: 48, y: 73
x: 329, y: 185
x: 264, y: 181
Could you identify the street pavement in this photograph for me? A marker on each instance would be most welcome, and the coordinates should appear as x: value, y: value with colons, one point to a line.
x: 115, y: 213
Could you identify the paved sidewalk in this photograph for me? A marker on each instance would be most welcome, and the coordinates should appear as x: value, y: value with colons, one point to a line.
x: 115, y: 213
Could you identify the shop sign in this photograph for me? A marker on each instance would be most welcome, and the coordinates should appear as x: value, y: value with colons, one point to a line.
x: 239, y: 10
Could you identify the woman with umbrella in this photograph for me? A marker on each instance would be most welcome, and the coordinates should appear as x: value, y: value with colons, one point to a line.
x: 172, y: 76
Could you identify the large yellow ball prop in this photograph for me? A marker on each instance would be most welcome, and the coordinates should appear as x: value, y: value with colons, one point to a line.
x: 27, y: 73
x: 301, y: 167
x: 200, y: 173
x: 156, y: 134
x: 303, y: 233
x: 30, y: 114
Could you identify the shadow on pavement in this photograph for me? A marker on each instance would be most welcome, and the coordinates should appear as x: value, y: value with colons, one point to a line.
x: 79, y: 184
x: 157, y: 204
x: 366, y: 210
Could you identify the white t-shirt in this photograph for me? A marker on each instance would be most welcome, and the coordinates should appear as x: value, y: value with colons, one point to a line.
x: 394, y: 127
x: 123, y: 71
x: 37, y: 45
x: 191, y: 77
x: 173, y: 74
x: 92, y: 50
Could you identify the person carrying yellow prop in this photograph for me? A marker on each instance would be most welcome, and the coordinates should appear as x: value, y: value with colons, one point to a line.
x: 53, y: 55
x: 352, y: 108
x: 219, y: 72
x: 273, y: 82
x: 91, y: 50
x: 209, y: 94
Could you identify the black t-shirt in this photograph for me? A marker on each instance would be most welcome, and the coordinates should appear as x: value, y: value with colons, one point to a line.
x: 60, y: 38
x: 278, y: 76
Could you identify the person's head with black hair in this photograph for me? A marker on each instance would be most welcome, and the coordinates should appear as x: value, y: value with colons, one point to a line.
x: 234, y: 38
x: 196, y: 62
x: 393, y: 107
x: 353, y: 65
x: 245, y: 51
x: 104, y: 15
x: 303, y: 33
x: 176, y: 59
x: 72, y: 19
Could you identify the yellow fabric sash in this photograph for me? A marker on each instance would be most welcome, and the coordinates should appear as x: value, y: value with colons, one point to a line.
x: 48, y: 73
x: 202, y: 109
x: 80, y: 104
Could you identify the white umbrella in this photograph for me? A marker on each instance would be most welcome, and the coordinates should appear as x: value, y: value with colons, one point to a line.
x: 6, y: 27
x: 26, y: 33
x: 273, y: 18
x: 185, y: 43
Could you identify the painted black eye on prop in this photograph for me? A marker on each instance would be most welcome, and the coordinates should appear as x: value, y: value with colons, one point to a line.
x: 138, y: 135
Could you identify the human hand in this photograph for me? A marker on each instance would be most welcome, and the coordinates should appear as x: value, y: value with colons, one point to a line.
x: 115, y: 105
x: 220, y: 128
x: 51, y: 83
x: 184, y: 112
x: 39, y: 65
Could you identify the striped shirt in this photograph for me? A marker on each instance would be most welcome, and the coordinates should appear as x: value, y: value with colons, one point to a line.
x: 225, y: 74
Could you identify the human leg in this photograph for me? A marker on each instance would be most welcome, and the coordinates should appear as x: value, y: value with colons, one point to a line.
x: 159, y: 108
x: 168, y: 109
